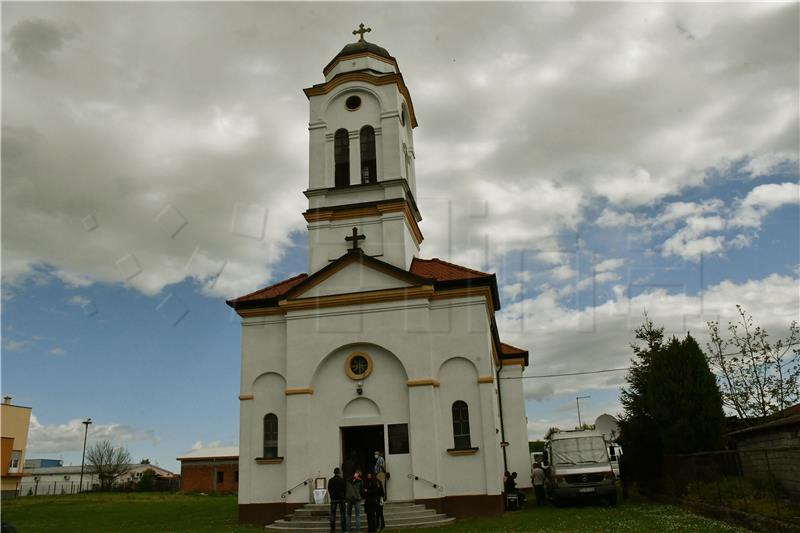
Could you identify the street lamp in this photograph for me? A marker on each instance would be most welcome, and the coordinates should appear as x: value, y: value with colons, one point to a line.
x: 578, y: 403
x: 83, y: 457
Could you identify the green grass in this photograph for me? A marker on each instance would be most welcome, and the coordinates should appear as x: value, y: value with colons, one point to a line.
x: 125, y: 513
x: 742, y: 494
x: 129, y: 513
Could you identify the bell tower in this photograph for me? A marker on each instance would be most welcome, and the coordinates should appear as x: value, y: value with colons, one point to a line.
x: 361, y: 158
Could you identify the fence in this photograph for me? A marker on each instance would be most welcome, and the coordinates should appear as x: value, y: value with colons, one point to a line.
x: 52, y: 488
x: 761, y: 481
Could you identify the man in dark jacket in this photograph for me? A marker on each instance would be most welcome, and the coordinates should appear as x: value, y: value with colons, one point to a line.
x: 336, y: 488
x: 354, y: 493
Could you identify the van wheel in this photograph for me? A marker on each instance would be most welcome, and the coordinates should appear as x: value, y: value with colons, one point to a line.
x: 612, y: 500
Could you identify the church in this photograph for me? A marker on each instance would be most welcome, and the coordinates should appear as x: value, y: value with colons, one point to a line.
x: 375, y: 348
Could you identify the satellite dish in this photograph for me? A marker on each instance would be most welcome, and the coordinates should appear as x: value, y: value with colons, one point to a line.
x: 607, y: 425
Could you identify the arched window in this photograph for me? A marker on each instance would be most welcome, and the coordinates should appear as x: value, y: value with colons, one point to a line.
x: 341, y: 158
x: 270, y: 436
x: 369, y: 165
x: 461, y: 425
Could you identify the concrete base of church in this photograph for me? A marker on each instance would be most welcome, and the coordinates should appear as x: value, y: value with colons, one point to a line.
x: 265, y: 513
x: 466, y: 506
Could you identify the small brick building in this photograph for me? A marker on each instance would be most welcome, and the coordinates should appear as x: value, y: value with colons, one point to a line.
x: 210, y: 470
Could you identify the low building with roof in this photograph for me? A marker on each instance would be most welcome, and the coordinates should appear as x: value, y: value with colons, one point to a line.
x: 58, y: 480
x: 210, y: 470
x: 16, y: 421
x: 770, y: 451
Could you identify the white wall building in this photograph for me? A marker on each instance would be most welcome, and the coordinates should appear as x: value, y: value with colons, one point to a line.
x: 57, y: 480
x: 375, y: 348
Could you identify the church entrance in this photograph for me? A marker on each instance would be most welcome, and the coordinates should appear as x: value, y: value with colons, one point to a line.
x: 359, y: 444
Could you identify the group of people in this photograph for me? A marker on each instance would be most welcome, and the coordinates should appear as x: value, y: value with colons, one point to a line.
x: 538, y: 476
x: 346, y: 493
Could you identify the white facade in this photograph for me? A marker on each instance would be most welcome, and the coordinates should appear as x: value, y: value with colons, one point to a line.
x: 429, y: 342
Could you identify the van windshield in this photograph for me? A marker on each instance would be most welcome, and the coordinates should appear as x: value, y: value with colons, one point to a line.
x: 579, y: 450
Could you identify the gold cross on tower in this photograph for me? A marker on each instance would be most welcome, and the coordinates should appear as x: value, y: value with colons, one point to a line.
x: 355, y: 238
x: 361, y: 31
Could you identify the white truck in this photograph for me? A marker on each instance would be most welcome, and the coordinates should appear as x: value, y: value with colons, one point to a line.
x: 578, y: 466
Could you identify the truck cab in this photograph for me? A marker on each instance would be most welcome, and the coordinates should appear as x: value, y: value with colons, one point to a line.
x: 578, y: 466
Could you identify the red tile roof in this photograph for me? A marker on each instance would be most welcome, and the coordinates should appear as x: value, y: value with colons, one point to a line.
x: 433, y: 269
x: 444, y: 271
x: 273, y: 291
x: 507, y: 349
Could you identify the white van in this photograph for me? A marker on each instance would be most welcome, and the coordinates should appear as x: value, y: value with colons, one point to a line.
x: 578, y: 466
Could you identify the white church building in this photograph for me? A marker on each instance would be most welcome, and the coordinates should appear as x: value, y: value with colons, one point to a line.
x: 375, y: 348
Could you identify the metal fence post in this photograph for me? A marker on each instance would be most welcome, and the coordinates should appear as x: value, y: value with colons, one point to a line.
x: 772, y: 484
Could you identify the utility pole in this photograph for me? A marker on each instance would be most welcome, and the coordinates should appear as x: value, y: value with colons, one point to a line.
x: 578, y: 403
x: 83, y: 457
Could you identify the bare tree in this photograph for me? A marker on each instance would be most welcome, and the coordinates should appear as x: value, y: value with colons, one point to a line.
x: 108, y: 462
x: 757, y: 378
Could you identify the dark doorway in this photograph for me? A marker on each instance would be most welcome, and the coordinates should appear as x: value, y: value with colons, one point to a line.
x: 359, y: 445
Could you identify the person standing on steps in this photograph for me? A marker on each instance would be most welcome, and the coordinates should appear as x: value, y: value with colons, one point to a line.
x: 354, y: 491
x: 336, y: 490
x: 380, y: 468
x: 372, y: 496
x: 381, y: 501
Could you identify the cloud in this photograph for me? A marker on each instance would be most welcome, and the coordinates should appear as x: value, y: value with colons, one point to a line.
x: 626, y: 116
x: 68, y: 437
x: 32, y: 42
x: 563, y: 339
x: 57, y: 351
x: 79, y: 300
x: 13, y: 345
x: 761, y: 200
x: 200, y: 445
x: 610, y: 218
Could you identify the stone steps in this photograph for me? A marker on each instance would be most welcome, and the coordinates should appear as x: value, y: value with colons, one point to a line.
x: 314, y: 518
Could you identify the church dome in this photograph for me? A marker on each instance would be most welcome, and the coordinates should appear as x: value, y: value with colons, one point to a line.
x: 363, y: 46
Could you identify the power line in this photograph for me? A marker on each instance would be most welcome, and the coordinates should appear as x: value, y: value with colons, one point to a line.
x: 604, y: 370
x: 568, y: 374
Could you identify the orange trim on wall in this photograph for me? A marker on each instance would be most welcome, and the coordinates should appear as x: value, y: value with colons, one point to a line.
x: 485, y: 379
x: 386, y: 79
x: 356, y: 55
x: 265, y: 311
x: 304, y: 390
x: 423, y: 382
x: 357, y: 298
x: 243, y: 397
x: 369, y: 211
x: 515, y: 361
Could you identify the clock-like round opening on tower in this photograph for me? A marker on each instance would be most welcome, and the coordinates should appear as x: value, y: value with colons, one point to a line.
x: 353, y: 103
x: 358, y: 366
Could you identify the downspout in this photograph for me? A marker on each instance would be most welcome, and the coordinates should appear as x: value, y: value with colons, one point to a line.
x: 502, y: 425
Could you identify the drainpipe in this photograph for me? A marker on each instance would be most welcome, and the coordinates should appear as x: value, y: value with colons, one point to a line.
x: 502, y: 425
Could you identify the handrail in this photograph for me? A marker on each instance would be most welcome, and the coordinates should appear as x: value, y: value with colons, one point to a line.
x: 304, y: 482
x: 436, y: 486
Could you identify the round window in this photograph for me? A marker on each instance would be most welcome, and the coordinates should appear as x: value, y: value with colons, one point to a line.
x: 358, y: 366
x: 353, y: 103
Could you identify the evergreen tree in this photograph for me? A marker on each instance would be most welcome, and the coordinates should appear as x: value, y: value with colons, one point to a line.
x: 639, y: 436
x: 684, y: 399
x: 672, y: 404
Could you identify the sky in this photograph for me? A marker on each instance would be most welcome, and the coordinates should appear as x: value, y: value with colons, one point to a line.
x: 603, y: 159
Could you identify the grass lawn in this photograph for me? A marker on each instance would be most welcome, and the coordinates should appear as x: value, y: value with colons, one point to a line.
x: 128, y: 513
